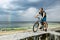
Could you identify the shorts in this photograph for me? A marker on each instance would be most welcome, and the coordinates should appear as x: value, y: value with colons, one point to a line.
x: 43, y: 20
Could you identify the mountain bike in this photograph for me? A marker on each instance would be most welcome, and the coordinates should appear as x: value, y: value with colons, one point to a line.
x: 36, y: 25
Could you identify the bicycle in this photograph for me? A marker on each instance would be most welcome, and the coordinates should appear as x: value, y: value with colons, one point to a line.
x: 36, y: 25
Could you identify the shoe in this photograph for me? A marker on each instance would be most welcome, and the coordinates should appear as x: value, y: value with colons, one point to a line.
x: 41, y: 27
x: 44, y: 29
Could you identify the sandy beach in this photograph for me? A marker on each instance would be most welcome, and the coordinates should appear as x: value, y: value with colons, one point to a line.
x: 10, y: 32
x: 13, y: 32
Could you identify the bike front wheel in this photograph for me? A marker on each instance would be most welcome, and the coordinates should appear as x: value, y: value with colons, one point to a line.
x: 35, y: 27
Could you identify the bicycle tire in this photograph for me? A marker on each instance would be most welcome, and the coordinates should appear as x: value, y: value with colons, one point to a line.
x: 36, y: 24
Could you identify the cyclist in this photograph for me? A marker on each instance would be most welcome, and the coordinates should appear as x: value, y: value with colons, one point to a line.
x: 43, y: 19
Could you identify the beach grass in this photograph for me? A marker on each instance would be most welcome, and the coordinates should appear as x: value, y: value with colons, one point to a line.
x: 6, y: 31
x: 10, y: 29
x: 15, y: 29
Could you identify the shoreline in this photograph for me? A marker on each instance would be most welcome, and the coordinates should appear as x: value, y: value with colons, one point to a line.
x: 28, y: 30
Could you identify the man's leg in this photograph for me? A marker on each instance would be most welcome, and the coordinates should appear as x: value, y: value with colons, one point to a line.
x: 42, y: 25
x: 45, y: 26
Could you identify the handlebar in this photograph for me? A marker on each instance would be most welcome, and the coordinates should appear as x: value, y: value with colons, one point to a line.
x: 38, y: 17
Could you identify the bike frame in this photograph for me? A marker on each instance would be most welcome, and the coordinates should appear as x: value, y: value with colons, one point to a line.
x: 39, y: 21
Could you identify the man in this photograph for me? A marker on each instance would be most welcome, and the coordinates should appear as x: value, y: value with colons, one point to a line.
x: 43, y: 19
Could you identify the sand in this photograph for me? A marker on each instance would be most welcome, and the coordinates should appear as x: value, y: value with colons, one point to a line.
x: 13, y: 32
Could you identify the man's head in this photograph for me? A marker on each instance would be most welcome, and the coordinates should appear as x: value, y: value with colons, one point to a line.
x: 41, y: 9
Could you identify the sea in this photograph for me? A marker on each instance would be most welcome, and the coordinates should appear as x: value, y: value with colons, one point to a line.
x: 24, y: 24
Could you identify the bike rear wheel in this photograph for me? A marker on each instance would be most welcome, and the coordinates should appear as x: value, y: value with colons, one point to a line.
x: 35, y: 27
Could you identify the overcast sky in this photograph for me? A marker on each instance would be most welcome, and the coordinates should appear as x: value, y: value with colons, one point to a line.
x: 24, y: 10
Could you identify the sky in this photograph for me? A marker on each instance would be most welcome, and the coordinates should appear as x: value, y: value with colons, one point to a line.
x: 25, y: 10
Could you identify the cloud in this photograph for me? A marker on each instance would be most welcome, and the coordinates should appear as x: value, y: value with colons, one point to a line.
x: 5, y: 4
x: 22, y: 4
x: 53, y: 13
x: 19, y: 10
x: 9, y: 5
x: 33, y: 1
x: 28, y: 14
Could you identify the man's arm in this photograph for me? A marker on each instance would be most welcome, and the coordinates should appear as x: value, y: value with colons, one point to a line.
x: 36, y: 15
x: 44, y: 14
